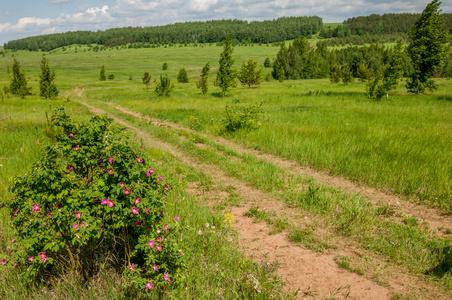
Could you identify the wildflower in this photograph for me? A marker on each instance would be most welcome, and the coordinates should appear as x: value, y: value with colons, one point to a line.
x: 14, y: 209
x: 180, y: 251
x: 13, y: 216
x: 50, y: 215
x: 131, y: 268
x: 155, y: 267
x: 158, y: 232
x: 110, y: 160
x: 101, y: 168
x: 76, y: 148
x: 31, y: 258
x: 158, y: 247
x: 75, y: 225
x: 135, y: 210
x: 165, y: 229
x: 137, y: 223
x: 43, y: 256
x: 141, y: 149
x: 200, y: 232
x: 161, y: 213
x: 137, y: 200
x: 122, y: 184
x: 166, y: 276
x: 149, y: 285
x: 151, y: 244
x: 103, y: 201
x: 35, y: 208
x: 207, y: 225
x: 160, y: 177
x: 70, y: 168
x: 110, y: 203
x: 139, y: 160
x: 147, y: 211
x: 213, y: 227
x: 82, y: 224
x: 78, y: 215
x: 110, y: 171
x: 3, y: 261
x: 126, y: 191
x: 12, y: 241
x: 176, y: 218
x: 71, y: 135
x: 166, y: 188
x: 159, y: 239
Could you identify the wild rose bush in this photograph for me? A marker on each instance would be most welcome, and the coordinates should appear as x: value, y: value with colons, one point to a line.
x: 92, y: 198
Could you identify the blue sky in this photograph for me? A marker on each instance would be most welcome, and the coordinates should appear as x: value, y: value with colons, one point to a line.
x: 22, y: 18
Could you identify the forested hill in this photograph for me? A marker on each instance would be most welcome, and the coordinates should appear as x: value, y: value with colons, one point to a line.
x: 278, y: 30
x: 378, y: 24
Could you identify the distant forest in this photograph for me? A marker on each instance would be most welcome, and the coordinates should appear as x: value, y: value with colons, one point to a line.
x: 278, y: 30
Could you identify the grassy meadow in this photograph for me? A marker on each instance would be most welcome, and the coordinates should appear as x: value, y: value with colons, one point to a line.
x: 402, y: 145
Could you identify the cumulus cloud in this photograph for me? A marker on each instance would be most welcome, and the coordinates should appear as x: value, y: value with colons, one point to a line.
x: 91, y: 15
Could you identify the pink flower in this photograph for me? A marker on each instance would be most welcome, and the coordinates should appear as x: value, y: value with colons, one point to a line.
x: 160, y: 177
x: 161, y: 213
x: 82, y: 224
x: 159, y: 239
x: 131, y: 268
x: 75, y: 225
x: 3, y: 261
x: 147, y: 211
x: 137, y: 200
x: 101, y: 168
x: 110, y: 160
x: 103, y: 201
x: 12, y: 241
x: 155, y: 267
x: 176, y: 218
x: 78, y: 215
x: 158, y: 232
x: 158, y: 247
x: 31, y: 258
x: 43, y: 256
x: 150, y: 172
x: 135, y: 210
x: 165, y: 229
x: 166, y: 188
x: 149, y: 285
x: 122, y: 184
x: 110, y: 203
x: 110, y: 171
x: 71, y: 135
x: 141, y: 149
x: 76, y: 148
x: 13, y: 216
x: 14, y: 209
x: 126, y: 191
x: 35, y: 208
x: 139, y: 160
x: 151, y: 244
x: 166, y: 276
x: 137, y: 223
x: 180, y: 251
x: 50, y: 215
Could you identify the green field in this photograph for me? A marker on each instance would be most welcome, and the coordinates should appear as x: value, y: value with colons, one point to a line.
x: 401, y: 145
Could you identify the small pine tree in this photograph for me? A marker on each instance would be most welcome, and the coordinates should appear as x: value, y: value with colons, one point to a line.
x: 226, y: 75
x: 347, y: 76
x: 202, y: 80
x: 102, y: 76
x: 249, y: 74
x: 146, y: 79
x: 182, y: 77
x: 363, y: 73
x: 19, y: 84
x: 335, y: 74
x: 164, y: 87
x: 267, y: 63
x: 165, y: 66
x: 46, y: 85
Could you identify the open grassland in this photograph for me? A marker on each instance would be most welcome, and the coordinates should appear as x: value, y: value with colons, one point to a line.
x: 401, y: 144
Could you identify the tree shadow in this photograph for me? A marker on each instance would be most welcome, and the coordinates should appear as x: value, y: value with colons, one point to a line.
x: 444, y: 97
x: 445, y: 265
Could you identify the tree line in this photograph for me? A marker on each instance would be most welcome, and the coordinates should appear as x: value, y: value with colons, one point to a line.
x: 269, y: 31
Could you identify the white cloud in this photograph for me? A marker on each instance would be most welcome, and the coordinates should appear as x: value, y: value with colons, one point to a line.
x: 5, y: 26
x: 29, y: 23
x: 201, y: 5
x: 91, y: 15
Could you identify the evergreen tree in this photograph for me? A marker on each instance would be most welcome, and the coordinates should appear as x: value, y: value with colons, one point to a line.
x: 363, y: 73
x: 19, y: 84
x: 146, y: 79
x: 165, y: 66
x: 182, y: 77
x: 427, y: 48
x: 202, y: 81
x: 226, y: 75
x: 249, y: 74
x: 102, y: 76
x: 347, y: 76
x: 335, y: 74
x: 267, y: 63
x: 164, y: 87
x: 46, y: 85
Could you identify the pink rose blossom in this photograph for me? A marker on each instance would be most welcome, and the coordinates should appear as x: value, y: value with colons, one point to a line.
x: 50, y: 215
x: 155, y: 267
x: 31, y: 258
x: 158, y: 239
x: 149, y: 285
x: 78, y: 215
x: 147, y: 211
x: 180, y: 251
x: 3, y: 261
x: 166, y: 276
x: 176, y: 218
x: 158, y: 232
x: 151, y: 244
x: 35, y: 208
x: 131, y: 268
x: 137, y: 223
x: 12, y: 241
x: 76, y: 148
x: 14, y: 209
x: 110, y: 171
x: 110, y: 203
x: 13, y: 216
x: 122, y: 184
x: 166, y: 188
x: 126, y: 191
x: 135, y: 210
x: 43, y: 256
x: 158, y: 247
x: 110, y: 160
x: 139, y: 160
x: 71, y: 135
x: 75, y: 225
x: 137, y: 200
x: 103, y: 201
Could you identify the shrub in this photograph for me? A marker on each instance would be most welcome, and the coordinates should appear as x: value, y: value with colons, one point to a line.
x: 245, y: 118
x: 102, y: 76
x: 165, y: 66
x: 164, y: 87
x: 111, y: 76
x: 93, y: 197
x: 182, y: 77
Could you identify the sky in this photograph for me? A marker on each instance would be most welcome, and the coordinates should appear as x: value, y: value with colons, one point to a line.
x: 23, y: 18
